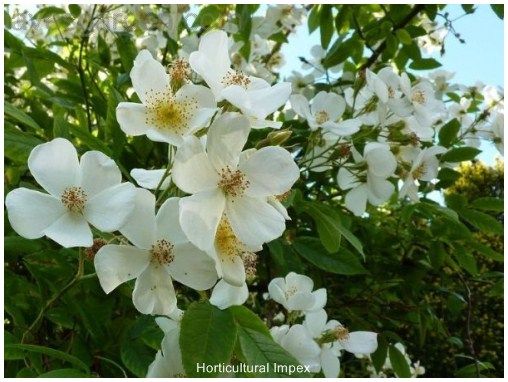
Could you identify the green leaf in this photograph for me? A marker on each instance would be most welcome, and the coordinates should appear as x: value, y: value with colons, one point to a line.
x: 486, y: 251
x: 326, y: 25
x: 207, y: 16
x: 341, y: 51
x: 342, y: 263
x: 47, y: 12
x: 425, y: 64
x: 460, y: 154
x: 466, y: 261
x: 447, y: 177
x: 468, y: 8
x: 207, y: 336
x: 448, y: 133
x: 399, y: 363
x: 403, y: 36
x: 136, y: 355
x: 75, y: 10
x: 498, y: 10
x: 488, y: 203
x: 379, y: 356
x: 313, y: 19
x: 64, y: 373
x: 248, y: 319
x: 482, y: 221
x: 60, y: 125
x: 342, y: 18
x: 53, y: 353
x: 18, y: 144
x: 470, y: 371
x: 126, y: 49
x: 259, y: 349
x: 20, y: 116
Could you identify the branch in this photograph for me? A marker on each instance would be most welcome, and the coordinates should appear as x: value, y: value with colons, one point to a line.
x: 401, y: 24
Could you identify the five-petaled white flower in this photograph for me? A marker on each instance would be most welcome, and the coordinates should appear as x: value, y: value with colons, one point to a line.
x: 334, y: 337
x: 253, y: 96
x: 160, y: 253
x: 222, y: 185
x: 80, y: 192
x: 163, y: 115
x: 294, y: 292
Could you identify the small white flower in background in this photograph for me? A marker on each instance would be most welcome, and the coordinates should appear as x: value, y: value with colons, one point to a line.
x: 372, y: 113
x: 294, y: 292
x: 164, y: 115
x: 324, y: 111
x: 298, y: 341
x: 151, y: 41
x: 150, y: 179
x: 160, y: 253
x: 366, y: 179
x: 220, y: 184
x: 335, y: 337
x: 416, y: 369
x: 315, y: 63
x: 497, y: 129
x: 253, y: 96
x: 424, y: 166
x: 385, y: 84
x: 225, y: 295
x: 80, y: 192
x: 441, y: 80
x: 168, y: 360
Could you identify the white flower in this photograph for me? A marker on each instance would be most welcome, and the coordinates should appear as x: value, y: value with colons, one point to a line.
x: 163, y: 116
x: 385, y: 84
x: 324, y: 112
x: 294, y: 292
x: 150, y: 179
x: 168, y: 360
x: 364, y: 103
x: 151, y: 41
x: 497, y: 128
x: 340, y: 339
x: 298, y: 341
x: 80, y: 192
x: 424, y: 167
x: 441, y: 80
x: 221, y: 184
x: 225, y: 295
x: 366, y: 179
x: 160, y: 253
x: 253, y: 96
x: 315, y: 63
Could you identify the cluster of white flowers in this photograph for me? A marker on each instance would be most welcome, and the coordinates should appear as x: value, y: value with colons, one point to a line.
x: 386, y: 369
x: 316, y: 342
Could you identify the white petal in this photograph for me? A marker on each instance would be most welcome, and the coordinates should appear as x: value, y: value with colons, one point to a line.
x: 346, y: 179
x: 254, y: 221
x: 200, y: 215
x: 300, y: 344
x: 320, y: 299
x: 154, y: 292
x: 279, y: 207
x: 233, y: 270
x: 98, y: 172
x: 116, y: 264
x: 148, y: 76
x: 381, y: 162
x: 256, y: 123
x: 379, y: 190
x: 344, y: 128
x: 132, y: 118
x: 225, y: 295
x: 360, y: 342
x: 71, y: 230
x: 330, y: 363
x: 276, y: 289
x: 31, y: 212
x: 172, y: 354
x: 204, y: 104
x: 270, y: 171
x: 356, y: 200
x: 301, y: 301
x: 299, y: 282
x: 164, y: 135
x: 168, y: 222
x: 315, y: 322
x: 109, y: 210
x: 140, y: 226
x: 54, y: 165
x: 226, y: 137
x: 159, y: 368
x: 192, y: 267
x: 192, y: 169
x: 300, y: 105
x: 331, y: 103
x: 150, y: 179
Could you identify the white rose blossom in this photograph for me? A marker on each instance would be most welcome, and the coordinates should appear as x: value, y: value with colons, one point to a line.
x: 295, y: 293
x: 160, y: 253
x: 80, y: 192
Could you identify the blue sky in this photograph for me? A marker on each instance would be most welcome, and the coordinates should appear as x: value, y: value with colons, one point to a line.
x: 479, y: 59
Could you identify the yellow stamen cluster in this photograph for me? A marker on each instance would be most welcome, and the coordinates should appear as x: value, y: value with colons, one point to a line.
x: 236, y: 78
x: 322, y: 117
x: 250, y: 260
x: 227, y: 244
x: 166, y: 113
x: 179, y: 72
x: 290, y: 292
x: 419, y: 97
x: 391, y: 92
x: 283, y: 197
x: 162, y: 252
x: 74, y: 199
x: 232, y: 182
x: 419, y: 171
x: 341, y: 333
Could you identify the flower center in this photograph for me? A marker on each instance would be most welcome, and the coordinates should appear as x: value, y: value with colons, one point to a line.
x: 419, y: 97
x: 166, y: 113
x: 226, y: 243
x: 74, y: 199
x: 341, y: 333
x: 235, y: 77
x: 391, y: 92
x: 162, y: 252
x: 419, y: 171
x: 232, y: 182
x: 322, y: 117
x: 250, y: 260
x: 180, y: 70
x: 290, y: 292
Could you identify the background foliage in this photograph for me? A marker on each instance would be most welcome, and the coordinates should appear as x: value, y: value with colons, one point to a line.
x: 424, y: 274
